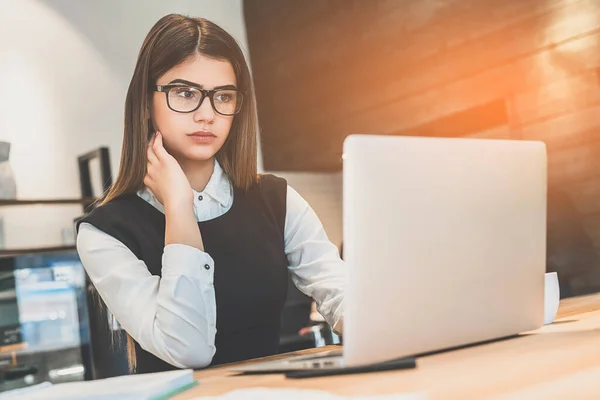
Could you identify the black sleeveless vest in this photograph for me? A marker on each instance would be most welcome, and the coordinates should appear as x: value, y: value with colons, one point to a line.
x: 250, y: 277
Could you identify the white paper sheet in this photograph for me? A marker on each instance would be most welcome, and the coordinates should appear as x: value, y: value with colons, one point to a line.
x: 301, y: 394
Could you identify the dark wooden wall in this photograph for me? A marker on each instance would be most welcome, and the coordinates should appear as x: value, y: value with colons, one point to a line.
x: 521, y: 69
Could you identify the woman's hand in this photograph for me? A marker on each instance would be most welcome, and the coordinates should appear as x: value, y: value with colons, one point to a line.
x: 168, y: 183
x: 165, y: 178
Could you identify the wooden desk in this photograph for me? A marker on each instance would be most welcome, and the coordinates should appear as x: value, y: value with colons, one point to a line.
x: 558, y: 361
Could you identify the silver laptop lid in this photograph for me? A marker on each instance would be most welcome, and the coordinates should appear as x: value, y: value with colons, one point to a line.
x: 445, y: 241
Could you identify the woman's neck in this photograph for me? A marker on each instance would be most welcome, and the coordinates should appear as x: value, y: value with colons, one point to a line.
x: 198, y: 172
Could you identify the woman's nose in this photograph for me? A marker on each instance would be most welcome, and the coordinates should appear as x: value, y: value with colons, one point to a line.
x: 205, y: 112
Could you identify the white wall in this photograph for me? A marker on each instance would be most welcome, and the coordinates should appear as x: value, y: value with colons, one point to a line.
x: 323, y: 191
x: 64, y: 70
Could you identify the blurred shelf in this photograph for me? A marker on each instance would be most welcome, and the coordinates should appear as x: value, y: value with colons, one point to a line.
x: 35, y: 250
x: 25, y: 202
x: 41, y: 250
x: 13, y: 347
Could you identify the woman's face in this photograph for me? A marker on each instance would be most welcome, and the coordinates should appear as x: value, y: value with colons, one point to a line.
x: 197, y: 135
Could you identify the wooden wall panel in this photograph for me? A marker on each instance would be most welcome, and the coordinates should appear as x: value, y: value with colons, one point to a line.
x: 574, y: 165
x: 592, y: 228
x: 586, y: 195
x: 566, y: 130
x: 505, y: 80
x: 515, y: 79
x: 502, y: 132
x: 406, y: 73
x: 351, y: 72
x: 450, y: 29
x: 328, y: 68
x: 557, y: 97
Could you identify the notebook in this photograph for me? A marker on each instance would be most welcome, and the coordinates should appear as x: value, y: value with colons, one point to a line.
x: 154, y: 386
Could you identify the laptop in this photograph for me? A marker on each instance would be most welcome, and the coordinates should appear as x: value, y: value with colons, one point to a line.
x: 445, y: 245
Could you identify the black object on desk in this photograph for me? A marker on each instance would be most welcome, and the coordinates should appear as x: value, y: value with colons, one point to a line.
x: 401, y: 363
x: 16, y: 372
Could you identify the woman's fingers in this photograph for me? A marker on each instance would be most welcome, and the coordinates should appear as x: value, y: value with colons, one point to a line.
x: 158, y: 147
x: 152, y: 158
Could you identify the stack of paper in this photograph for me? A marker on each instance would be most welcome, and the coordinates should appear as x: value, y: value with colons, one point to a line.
x: 160, y: 385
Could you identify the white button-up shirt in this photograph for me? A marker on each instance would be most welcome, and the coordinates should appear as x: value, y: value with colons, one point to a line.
x: 174, y: 316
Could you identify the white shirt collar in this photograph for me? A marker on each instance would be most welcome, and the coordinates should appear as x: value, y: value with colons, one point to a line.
x: 218, y: 188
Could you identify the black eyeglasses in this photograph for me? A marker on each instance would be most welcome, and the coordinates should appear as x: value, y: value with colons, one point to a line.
x: 187, y: 99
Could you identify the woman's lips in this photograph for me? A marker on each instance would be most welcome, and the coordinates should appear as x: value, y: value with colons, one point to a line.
x: 202, y: 137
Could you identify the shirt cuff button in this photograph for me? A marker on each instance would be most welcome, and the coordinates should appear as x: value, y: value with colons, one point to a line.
x: 206, y: 267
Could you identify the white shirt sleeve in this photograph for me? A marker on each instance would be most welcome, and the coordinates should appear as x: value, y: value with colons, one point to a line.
x: 173, y: 317
x: 318, y: 271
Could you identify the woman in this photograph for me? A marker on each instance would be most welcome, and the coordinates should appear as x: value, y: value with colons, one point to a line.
x: 190, y: 248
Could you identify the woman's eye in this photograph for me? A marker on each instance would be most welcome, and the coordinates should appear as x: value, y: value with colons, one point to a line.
x: 224, y: 98
x: 186, y: 93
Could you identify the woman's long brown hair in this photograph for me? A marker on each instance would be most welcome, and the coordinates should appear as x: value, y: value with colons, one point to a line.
x: 172, y: 40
